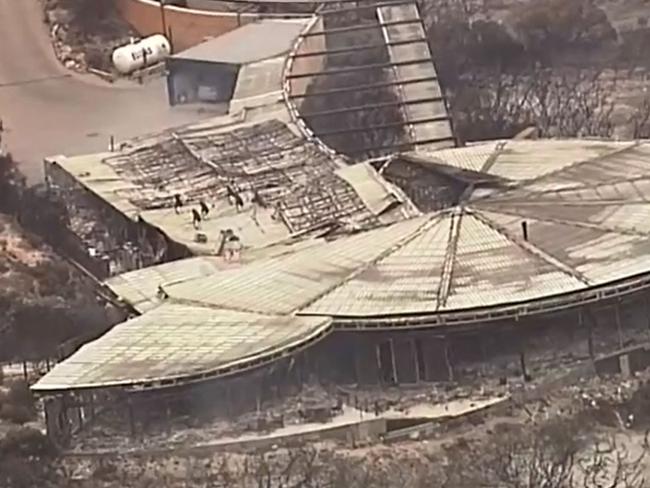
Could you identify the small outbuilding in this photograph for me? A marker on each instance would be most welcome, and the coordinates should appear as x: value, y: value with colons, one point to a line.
x: 210, y: 72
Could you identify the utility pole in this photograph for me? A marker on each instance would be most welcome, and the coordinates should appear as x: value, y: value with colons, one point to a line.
x: 163, y: 21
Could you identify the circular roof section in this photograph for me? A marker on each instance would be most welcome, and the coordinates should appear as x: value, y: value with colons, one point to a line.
x: 539, y: 226
x: 573, y: 217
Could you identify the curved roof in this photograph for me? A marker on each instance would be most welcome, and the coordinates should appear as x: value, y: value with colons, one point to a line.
x: 586, y: 206
x: 176, y: 341
x: 587, y: 212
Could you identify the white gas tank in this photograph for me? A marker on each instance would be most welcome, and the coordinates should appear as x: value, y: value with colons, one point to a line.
x: 145, y: 52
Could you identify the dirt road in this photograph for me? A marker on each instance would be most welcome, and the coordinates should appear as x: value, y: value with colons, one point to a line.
x: 46, y: 110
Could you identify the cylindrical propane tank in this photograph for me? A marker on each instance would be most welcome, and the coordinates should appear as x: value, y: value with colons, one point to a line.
x: 140, y: 54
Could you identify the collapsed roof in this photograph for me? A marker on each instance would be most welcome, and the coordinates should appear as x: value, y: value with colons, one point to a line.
x: 566, y: 229
x: 289, y: 186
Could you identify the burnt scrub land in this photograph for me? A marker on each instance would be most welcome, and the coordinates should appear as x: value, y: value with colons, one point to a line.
x: 47, y: 308
x: 590, y: 434
x: 571, y: 69
x: 45, y: 302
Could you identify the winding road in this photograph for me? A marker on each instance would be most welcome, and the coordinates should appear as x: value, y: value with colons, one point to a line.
x: 47, y: 110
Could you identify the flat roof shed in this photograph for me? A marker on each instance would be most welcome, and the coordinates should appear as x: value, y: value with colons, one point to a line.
x: 213, y: 70
x: 247, y: 44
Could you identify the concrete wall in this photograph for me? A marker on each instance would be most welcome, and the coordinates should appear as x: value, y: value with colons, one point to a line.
x: 188, y: 27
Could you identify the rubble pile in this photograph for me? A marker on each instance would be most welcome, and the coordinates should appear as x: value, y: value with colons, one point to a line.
x: 85, y: 32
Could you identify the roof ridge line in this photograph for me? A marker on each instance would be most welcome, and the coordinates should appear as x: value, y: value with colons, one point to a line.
x: 171, y: 300
x: 594, y: 187
x: 532, y: 249
x: 431, y: 220
x: 499, y: 146
x: 575, y: 223
x: 524, y: 183
x: 569, y: 203
x: 444, y: 286
x: 632, y: 145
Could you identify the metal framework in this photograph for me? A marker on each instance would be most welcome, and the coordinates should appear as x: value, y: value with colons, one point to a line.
x: 390, y: 125
x: 358, y: 7
x: 358, y: 88
x: 371, y: 106
x: 352, y: 69
x: 357, y: 28
x: 396, y: 146
x: 410, y: 78
x: 363, y: 47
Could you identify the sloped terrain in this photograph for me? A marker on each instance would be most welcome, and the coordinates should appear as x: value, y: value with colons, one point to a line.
x: 85, y: 32
x: 44, y: 301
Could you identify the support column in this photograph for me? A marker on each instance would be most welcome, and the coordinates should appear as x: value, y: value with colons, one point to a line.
x: 131, y: 414
x: 380, y: 371
x: 163, y: 19
x: 619, y: 330
x: 91, y: 401
x: 646, y: 303
x: 590, y: 332
x: 450, y: 367
x: 80, y: 416
x: 392, y: 360
x: 357, y: 358
x: 420, y: 365
x: 522, y: 363
x: 64, y: 412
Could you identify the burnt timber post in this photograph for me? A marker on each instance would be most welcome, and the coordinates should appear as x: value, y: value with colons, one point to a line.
x: 619, y: 328
x: 450, y: 367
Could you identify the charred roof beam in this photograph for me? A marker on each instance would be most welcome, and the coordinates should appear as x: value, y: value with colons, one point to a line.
x: 382, y: 126
x: 364, y: 47
x: 369, y: 86
x: 363, y: 67
x: 369, y: 6
x: 371, y: 106
x: 398, y: 145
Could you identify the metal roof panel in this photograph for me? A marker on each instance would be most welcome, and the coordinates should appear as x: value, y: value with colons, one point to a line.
x: 178, y: 340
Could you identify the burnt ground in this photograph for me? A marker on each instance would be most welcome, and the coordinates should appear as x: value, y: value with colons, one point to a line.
x: 592, y: 411
x: 44, y: 300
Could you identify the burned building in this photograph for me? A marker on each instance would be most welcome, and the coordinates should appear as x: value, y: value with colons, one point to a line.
x: 260, y: 180
x: 272, y: 261
x: 555, y: 254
